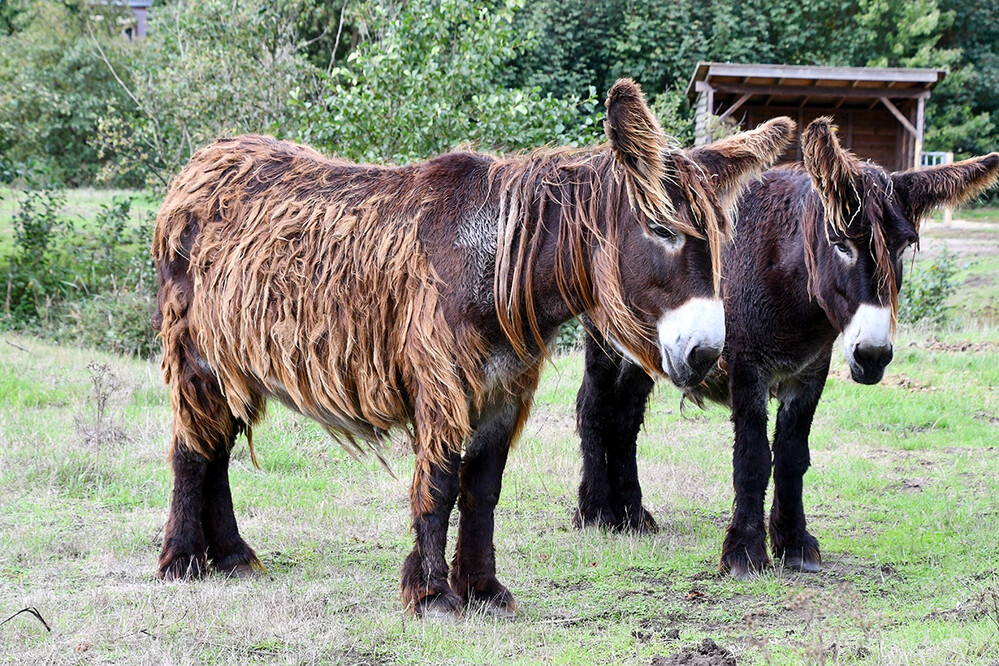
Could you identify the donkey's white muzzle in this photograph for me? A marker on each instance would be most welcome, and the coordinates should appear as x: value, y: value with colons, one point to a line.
x: 691, y: 339
x: 868, y: 344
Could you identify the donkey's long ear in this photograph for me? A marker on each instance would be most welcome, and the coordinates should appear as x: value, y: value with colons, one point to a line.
x: 836, y: 173
x: 920, y: 190
x: 734, y: 160
x: 638, y: 144
x: 635, y: 135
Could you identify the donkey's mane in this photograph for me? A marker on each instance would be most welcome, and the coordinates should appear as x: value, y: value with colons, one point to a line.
x: 529, y: 185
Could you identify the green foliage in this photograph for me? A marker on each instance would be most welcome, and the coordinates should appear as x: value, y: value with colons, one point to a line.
x: 34, y: 275
x: 53, y: 88
x: 427, y: 81
x: 91, y: 281
x: 926, y: 289
x: 208, y: 68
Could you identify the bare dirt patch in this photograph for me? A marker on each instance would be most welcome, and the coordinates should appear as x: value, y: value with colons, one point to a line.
x: 708, y: 653
x: 960, y: 346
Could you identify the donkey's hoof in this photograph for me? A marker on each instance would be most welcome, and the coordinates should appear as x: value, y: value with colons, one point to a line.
x: 444, y: 608
x: 500, y: 605
x: 639, y: 522
x: 240, y: 566
x: 181, y: 567
x: 742, y: 567
x: 603, y: 519
x: 805, y: 564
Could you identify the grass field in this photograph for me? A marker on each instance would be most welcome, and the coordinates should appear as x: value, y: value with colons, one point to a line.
x: 903, y: 496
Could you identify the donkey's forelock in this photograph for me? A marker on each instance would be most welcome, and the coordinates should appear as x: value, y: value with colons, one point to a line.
x: 854, y: 197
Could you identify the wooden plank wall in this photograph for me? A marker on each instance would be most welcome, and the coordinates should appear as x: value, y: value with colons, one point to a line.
x: 872, y: 134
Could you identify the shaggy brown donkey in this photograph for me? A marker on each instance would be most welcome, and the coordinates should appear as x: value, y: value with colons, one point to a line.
x: 817, y: 253
x: 420, y: 299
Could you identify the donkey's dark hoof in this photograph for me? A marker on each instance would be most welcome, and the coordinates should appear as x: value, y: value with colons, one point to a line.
x: 499, y: 604
x: 603, y: 519
x: 639, y: 522
x: 181, y: 567
x: 744, y: 563
x: 807, y: 565
x: 445, y: 608
x: 800, y: 553
x: 241, y: 564
x: 743, y: 571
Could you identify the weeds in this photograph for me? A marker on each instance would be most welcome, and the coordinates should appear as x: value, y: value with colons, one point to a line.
x: 104, y: 429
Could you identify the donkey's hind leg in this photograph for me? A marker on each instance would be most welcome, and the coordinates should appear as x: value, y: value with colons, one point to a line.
x: 202, y: 524
x: 424, y: 587
x: 473, y: 572
x: 228, y: 552
x: 184, y: 553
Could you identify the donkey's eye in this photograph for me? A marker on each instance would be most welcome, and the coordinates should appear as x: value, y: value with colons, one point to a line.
x: 664, y: 232
x: 846, y: 251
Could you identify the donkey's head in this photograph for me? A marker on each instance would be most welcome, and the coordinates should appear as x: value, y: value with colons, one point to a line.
x: 670, y: 232
x: 857, y: 230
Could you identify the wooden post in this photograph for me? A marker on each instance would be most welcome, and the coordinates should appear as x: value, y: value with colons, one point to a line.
x: 948, y: 212
x: 920, y: 109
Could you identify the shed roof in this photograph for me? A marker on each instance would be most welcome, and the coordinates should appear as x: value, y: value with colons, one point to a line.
x: 818, y: 84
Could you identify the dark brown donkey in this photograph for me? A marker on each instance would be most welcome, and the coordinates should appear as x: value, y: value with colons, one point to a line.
x: 818, y: 252
x: 420, y: 299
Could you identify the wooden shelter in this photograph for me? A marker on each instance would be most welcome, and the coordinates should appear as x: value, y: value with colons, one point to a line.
x: 879, y: 110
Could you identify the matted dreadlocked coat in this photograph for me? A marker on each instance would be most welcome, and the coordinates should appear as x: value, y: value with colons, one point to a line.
x: 370, y: 298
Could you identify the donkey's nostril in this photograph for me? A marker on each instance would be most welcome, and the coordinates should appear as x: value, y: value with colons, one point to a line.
x: 700, y: 357
x: 873, y: 358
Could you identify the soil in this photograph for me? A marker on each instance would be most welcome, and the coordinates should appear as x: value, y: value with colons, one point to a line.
x: 708, y: 653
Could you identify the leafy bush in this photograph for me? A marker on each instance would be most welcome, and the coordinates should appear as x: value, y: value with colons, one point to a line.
x: 926, y: 289
x: 427, y: 81
x: 92, y: 283
x: 207, y: 68
x: 35, y: 278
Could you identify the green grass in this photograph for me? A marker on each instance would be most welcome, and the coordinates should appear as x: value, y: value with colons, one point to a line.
x: 901, y: 495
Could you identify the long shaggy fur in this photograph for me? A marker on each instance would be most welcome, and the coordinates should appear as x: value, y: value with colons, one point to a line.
x: 292, y: 275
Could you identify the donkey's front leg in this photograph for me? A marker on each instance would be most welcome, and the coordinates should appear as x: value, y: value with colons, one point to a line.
x: 789, y: 539
x: 631, y: 394
x: 473, y: 574
x: 745, y: 550
x: 425, y: 590
x: 609, y: 412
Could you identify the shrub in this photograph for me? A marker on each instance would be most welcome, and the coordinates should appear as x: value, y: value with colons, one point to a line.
x: 427, y: 82
x: 93, y: 285
x: 34, y: 277
x: 926, y: 289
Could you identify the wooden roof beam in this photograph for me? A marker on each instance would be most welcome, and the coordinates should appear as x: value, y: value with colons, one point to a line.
x: 735, y: 107
x: 899, y: 116
x: 817, y: 91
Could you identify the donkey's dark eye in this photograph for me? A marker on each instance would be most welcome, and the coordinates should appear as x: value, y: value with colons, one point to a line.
x: 664, y: 232
x: 842, y: 247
